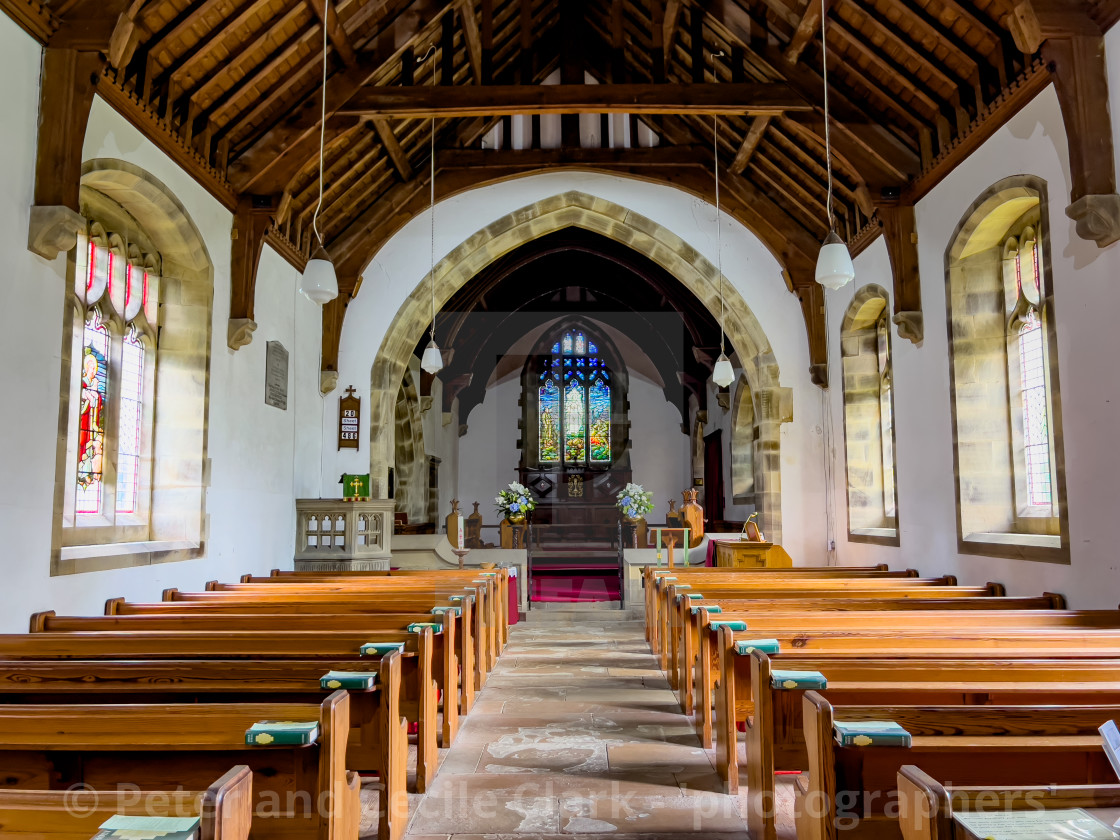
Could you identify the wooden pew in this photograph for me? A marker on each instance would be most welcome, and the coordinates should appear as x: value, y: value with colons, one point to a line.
x: 775, y: 735
x: 298, y: 792
x: 356, y: 600
x: 485, y: 587
x: 377, y: 743
x: 325, y: 647
x: 926, y: 806
x: 700, y: 651
x: 976, y: 745
x: 669, y: 627
x: 450, y: 648
x: 224, y: 809
x: 501, y: 575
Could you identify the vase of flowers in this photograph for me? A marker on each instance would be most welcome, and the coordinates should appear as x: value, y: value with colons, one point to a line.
x: 515, y: 502
x: 634, y: 502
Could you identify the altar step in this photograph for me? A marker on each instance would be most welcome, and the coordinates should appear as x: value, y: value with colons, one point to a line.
x: 575, y: 578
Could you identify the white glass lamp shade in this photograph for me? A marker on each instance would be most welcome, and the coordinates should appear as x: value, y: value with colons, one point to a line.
x: 723, y: 374
x: 432, y: 362
x: 834, y: 263
x: 319, y: 283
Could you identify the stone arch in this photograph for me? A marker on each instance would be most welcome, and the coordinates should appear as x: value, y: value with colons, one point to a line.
x: 743, y: 442
x: 410, y: 460
x: 663, y: 246
x: 137, y: 200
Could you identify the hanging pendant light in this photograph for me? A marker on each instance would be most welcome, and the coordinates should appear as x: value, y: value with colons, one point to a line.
x: 432, y: 361
x: 834, y: 263
x: 722, y: 374
x: 319, y: 283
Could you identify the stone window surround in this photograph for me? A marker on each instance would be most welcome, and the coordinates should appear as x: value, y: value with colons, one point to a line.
x: 1043, y: 539
x: 869, y: 306
x: 119, y: 194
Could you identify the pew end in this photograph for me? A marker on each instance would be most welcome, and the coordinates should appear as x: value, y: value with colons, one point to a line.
x: 230, y: 801
x: 170, y: 594
x: 39, y: 621
x: 924, y: 811
x: 247, y: 578
x: 996, y: 589
x: 1057, y: 599
x: 113, y: 606
x: 212, y: 586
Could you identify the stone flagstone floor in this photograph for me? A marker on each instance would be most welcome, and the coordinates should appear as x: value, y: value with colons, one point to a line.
x: 577, y: 733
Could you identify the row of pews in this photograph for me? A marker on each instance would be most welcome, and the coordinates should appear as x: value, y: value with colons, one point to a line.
x: 144, y: 710
x: 1001, y: 696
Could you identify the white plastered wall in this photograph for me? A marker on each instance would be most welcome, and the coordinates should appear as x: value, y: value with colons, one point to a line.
x: 1086, y: 303
x: 403, y: 262
x: 261, y: 458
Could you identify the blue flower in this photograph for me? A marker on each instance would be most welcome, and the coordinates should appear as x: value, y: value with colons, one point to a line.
x: 514, y: 508
x: 626, y: 500
x: 521, y: 500
x: 631, y: 512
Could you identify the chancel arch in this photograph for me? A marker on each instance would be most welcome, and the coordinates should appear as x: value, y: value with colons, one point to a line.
x: 659, y: 245
x: 1006, y: 402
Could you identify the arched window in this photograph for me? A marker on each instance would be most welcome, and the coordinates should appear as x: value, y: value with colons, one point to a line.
x: 1006, y: 411
x: 109, y: 462
x: 574, y: 404
x: 868, y: 371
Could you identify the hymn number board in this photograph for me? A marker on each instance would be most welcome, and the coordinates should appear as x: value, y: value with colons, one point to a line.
x: 349, y: 416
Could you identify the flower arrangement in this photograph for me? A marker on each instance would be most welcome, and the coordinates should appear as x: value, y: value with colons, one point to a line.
x: 515, y: 500
x: 634, y: 501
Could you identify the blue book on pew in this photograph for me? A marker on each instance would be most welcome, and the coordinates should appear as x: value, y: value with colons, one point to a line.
x: 870, y: 733
x: 748, y: 646
x: 120, y: 826
x: 352, y: 680
x: 381, y: 648
x: 714, y: 608
x: 797, y: 679
x: 734, y: 625
x: 265, y: 733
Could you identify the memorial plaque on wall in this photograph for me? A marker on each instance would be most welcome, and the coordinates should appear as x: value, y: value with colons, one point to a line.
x: 276, y: 375
x: 349, y: 417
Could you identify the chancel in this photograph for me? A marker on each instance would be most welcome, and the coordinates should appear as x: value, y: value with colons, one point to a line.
x: 769, y: 344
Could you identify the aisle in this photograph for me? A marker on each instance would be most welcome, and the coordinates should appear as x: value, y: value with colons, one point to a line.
x: 577, y: 732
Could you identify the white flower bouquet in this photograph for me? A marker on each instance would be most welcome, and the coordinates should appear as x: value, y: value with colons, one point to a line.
x: 515, y: 500
x: 635, y: 501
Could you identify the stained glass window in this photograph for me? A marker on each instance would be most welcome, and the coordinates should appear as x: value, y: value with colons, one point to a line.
x: 549, y: 421
x: 599, y: 401
x: 131, y: 424
x: 94, y: 391
x: 579, y: 431
x: 1036, y: 427
x: 575, y: 421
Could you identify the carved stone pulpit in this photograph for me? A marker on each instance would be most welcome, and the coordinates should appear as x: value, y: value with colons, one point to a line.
x: 335, y: 535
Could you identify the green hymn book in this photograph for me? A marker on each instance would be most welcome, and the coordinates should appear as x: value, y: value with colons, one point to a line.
x: 381, y: 648
x: 870, y: 733
x: 356, y: 680
x: 1058, y: 824
x: 734, y: 625
x: 121, y: 827
x: 441, y: 610
x: 748, y: 646
x: 797, y: 679
x: 282, y: 732
x: 714, y: 608
x: 416, y: 627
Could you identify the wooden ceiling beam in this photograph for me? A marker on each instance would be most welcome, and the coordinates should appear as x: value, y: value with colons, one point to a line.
x: 472, y: 36
x: 807, y: 29
x: 338, y: 36
x: 393, y: 148
x: 512, y: 160
x: 459, y: 101
x: 33, y: 17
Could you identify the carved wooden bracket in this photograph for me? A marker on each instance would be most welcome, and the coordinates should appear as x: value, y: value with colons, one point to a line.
x: 65, y: 96
x: 251, y: 221
x: 333, y: 315
x: 901, y: 234
x: 1072, y: 46
x: 800, y: 277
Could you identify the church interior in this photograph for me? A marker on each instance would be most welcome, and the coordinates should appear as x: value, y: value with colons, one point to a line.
x: 495, y: 419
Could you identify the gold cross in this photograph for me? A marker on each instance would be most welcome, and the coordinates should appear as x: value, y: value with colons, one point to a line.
x: 356, y: 484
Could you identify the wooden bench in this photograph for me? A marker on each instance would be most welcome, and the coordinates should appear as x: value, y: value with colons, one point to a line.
x: 775, y: 735
x: 281, y: 596
x: 926, y: 806
x: 975, y: 745
x: 805, y: 624
x: 298, y: 791
x: 336, y: 649
x: 224, y: 809
x: 485, y: 589
x: 501, y: 575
